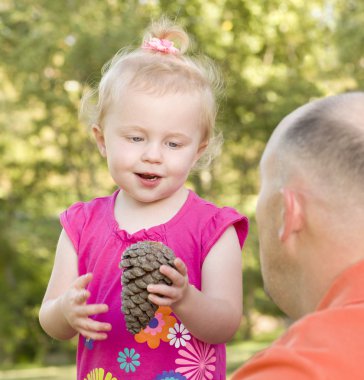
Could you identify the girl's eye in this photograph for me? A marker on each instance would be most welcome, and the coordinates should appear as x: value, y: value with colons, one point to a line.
x: 173, y: 145
x: 135, y: 138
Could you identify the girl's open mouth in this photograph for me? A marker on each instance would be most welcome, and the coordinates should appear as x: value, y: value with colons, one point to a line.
x: 149, y: 177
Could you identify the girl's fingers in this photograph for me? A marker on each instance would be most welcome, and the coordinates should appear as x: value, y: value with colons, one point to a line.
x: 80, y: 315
x: 160, y: 301
x: 93, y: 335
x: 79, y: 285
x: 82, y: 281
x: 166, y: 295
x: 82, y: 296
x: 161, y: 289
x: 93, y: 309
x: 96, y: 326
x: 177, y: 278
x: 94, y: 329
x: 181, y: 266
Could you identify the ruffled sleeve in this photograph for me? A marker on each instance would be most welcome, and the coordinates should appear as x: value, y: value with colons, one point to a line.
x: 73, y: 221
x: 219, y: 223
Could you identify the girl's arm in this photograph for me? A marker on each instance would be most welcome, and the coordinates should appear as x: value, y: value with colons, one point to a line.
x: 64, y: 311
x: 213, y: 314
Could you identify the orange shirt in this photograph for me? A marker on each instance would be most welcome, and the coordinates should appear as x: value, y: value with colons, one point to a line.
x: 325, y: 345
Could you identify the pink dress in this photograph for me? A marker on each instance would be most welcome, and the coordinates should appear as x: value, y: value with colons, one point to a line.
x: 165, y: 349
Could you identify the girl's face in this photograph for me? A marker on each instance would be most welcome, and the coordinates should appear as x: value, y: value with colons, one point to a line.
x: 151, y: 142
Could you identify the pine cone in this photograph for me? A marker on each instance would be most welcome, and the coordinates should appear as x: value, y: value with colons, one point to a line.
x: 140, y: 264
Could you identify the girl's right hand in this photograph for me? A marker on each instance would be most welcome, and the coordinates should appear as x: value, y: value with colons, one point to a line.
x: 78, y: 313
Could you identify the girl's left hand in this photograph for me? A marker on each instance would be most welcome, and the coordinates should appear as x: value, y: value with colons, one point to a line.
x: 168, y: 295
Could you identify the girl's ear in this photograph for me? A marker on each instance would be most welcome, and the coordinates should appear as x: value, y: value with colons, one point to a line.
x: 201, y: 149
x: 293, y: 214
x: 100, y: 140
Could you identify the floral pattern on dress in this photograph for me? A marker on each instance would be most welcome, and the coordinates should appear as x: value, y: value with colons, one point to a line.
x: 170, y: 375
x: 128, y: 360
x: 99, y: 374
x: 89, y: 343
x: 178, y: 335
x: 158, y: 328
x: 197, y: 360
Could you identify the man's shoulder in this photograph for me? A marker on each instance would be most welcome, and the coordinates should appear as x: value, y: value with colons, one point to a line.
x: 325, y: 344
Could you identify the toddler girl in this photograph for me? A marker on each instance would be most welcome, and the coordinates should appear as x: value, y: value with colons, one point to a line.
x: 153, y: 122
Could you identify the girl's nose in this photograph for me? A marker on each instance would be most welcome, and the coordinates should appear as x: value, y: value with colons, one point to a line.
x: 152, y: 153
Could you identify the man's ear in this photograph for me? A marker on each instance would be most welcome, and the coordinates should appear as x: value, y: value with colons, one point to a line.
x: 100, y: 140
x: 293, y: 215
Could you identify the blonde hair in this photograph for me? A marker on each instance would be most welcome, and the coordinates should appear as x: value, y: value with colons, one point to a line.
x: 159, y: 73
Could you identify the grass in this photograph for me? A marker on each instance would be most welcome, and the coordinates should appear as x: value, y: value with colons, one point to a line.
x: 48, y: 373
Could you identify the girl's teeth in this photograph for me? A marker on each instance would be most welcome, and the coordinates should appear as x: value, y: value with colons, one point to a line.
x: 150, y: 177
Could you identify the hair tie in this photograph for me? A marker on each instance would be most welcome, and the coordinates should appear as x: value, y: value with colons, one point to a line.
x: 161, y: 45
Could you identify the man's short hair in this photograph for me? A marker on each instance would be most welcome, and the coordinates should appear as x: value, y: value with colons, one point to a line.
x: 328, y: 140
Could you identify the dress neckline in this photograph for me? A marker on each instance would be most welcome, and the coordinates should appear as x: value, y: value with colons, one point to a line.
x: 146, y: 233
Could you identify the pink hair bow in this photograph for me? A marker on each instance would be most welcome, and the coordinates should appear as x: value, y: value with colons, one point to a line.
x: 161, y: 45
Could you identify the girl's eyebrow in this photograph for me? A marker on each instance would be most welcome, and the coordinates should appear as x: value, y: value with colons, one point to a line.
x: 137, y: 128
x: 132, y: 128
x: 179, y: 135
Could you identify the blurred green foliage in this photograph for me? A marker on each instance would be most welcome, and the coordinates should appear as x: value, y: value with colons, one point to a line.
x: 274, y: 55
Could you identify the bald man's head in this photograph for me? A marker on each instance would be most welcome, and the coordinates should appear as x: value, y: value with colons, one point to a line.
x: 310, y: 206
x: 321, y: 145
